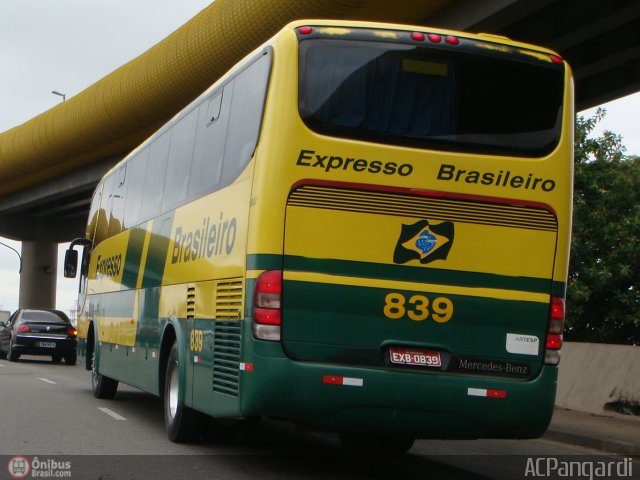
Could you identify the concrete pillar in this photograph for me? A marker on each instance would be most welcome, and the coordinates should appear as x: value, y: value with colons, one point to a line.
x: 38, y: 275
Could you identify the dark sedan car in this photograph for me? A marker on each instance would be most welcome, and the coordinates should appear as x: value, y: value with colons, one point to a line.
x: 38, y: 332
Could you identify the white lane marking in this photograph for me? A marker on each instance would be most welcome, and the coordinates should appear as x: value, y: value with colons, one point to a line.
x: 111, y: 413
x: 46, y: 380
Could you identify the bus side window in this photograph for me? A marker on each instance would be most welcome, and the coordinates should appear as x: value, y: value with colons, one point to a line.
x: 93, y: 212
x: 136, y: 171
x: 104, y: 214
x: 183, y: 137
x: 118, y: 200
x: 213, y: 121
x: 154, y: 181
x: 249, y: 92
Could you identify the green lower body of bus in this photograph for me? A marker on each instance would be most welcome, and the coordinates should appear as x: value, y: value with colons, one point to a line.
x: 395, y: 401
x: 343, y: 398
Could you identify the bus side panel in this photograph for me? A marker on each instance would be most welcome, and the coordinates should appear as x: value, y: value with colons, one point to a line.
x: 188, y: 266
x: 204, y: 288
x: 214, y: 369
x: 150, y: 328
x: 123, y: 302
x: 136, y: 364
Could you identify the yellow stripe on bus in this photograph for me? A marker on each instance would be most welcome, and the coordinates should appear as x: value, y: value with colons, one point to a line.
x: 118, y: 330
x: 496, y: 293
x: 253, y: 274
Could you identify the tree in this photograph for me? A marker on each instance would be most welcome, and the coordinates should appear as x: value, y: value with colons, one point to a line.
x: 603, y: 298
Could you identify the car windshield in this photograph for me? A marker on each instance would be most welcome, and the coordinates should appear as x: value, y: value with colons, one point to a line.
x: 42, y: 317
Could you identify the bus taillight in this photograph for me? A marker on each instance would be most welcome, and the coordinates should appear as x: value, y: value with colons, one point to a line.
x: 267, y: 305
x: 554, y: 331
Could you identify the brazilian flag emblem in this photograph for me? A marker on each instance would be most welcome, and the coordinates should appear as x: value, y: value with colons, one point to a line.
x: 424, y: 242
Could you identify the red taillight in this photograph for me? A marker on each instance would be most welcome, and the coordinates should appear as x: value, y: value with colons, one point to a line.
x: 23, y: 328
x: 435, y: 38
x: 305, y: 30
x: 72, y: 332
x: 554, y: 341
x: 555, y: 328
x: 268, y: 290
x: 267, y: 316
x: 557, y: 308
x: 556, y: 59
x: 267, y: 304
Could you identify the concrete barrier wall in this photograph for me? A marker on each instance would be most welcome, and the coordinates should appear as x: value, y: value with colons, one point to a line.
x: 592, y: 375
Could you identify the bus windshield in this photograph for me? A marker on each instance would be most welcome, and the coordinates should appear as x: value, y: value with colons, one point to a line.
x: 470, y: 98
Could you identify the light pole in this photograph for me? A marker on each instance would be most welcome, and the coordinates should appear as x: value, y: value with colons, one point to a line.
x: 55, y: 92
x: 17, y: 253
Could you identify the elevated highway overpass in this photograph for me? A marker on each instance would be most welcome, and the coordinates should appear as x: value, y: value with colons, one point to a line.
x: 51, y: 164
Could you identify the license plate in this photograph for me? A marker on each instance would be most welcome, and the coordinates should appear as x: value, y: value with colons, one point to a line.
x: 48, y: 344
x: 412, y: 356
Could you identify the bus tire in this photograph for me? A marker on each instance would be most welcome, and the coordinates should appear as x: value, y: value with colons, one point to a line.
x: 102, y: 387
x: 182, y: 423
x: 376, y: 443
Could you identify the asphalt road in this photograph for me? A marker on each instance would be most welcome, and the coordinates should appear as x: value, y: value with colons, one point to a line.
x: 48, y: 411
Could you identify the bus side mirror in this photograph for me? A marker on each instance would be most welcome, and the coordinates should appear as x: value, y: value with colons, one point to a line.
x: 70, y: 263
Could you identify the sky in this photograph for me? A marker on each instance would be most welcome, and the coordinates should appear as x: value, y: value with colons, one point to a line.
x: 67, y: 45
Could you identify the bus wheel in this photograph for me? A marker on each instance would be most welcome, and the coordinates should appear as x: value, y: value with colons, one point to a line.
x: 103, y: 387
x: 376, y: 443
x: 182, y: 423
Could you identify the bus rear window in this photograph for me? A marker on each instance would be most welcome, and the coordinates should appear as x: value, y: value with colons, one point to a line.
x: 429, y: 97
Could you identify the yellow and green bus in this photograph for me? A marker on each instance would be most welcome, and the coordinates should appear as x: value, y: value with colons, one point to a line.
x: 361, y: 228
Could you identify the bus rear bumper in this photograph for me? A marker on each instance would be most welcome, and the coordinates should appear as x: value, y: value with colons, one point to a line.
x: 342, y: 398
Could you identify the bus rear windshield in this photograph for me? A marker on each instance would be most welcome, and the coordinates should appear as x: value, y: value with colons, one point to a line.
x: 431, y: 97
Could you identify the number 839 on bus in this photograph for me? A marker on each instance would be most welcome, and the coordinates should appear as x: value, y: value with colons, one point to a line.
x: 418, y: 307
